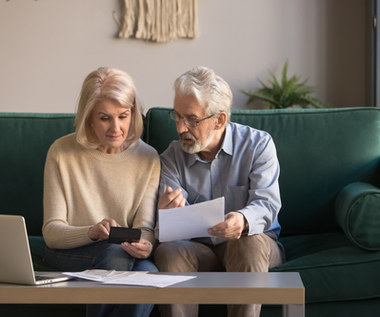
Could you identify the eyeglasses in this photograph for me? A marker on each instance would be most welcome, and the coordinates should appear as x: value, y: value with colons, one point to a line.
x: 189, y: 122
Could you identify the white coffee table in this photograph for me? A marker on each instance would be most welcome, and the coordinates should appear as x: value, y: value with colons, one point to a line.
x: 275, y: 288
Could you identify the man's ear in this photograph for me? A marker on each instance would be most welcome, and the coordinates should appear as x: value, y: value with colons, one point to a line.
x: 221, y: 120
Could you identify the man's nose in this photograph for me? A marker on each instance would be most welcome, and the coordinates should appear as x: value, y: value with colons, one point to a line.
x: 181, y: 126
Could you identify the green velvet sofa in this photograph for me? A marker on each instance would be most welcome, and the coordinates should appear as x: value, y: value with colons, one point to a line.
x: 329, y: 185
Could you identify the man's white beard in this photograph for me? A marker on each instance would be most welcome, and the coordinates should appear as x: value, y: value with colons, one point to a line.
x: 196, y: 147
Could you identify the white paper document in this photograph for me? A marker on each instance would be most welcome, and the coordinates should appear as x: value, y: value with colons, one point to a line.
x: 130, y: 278
x: 190, y: 221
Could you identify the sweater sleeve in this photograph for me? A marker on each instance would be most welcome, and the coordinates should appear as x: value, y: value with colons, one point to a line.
x: 145, y: 217
x: 56, y: 230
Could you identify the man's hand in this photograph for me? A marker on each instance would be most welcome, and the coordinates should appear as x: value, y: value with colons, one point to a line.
x: 139, y: 250
x: 231, y: 228
x: 171, y: 199
x: 102, y: 229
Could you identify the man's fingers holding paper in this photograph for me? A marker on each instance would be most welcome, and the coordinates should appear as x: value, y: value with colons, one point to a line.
x: 231, y: 228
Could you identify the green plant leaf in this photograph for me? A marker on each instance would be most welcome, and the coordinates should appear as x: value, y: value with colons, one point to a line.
x: 287, y: 93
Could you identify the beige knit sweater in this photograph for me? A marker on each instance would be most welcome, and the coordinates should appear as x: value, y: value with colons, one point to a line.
x: 82, y: 187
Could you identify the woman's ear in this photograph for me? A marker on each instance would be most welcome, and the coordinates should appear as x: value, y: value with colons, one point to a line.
x: 221, y: 120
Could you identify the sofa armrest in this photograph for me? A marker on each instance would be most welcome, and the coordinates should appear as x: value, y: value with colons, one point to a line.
x: 357, y: 211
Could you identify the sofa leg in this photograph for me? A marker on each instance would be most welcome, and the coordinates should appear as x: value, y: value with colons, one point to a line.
x: 293, y: 310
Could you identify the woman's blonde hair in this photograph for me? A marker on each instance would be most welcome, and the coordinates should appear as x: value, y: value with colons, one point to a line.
x: 106, y: 84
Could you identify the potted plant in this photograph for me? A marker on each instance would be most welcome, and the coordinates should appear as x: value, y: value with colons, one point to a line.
x: 287, y: 93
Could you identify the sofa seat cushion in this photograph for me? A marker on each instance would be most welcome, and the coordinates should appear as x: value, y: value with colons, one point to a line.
x: 331, y: 267
x: 357, y: 211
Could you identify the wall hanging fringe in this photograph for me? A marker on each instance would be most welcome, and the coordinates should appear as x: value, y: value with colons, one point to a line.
x: 159, y: 20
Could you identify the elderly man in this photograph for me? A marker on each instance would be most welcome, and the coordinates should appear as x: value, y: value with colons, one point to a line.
x: 213, y: 158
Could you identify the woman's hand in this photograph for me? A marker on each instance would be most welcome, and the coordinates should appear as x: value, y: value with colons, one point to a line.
x: 102, y: 229
x: 139, y: 250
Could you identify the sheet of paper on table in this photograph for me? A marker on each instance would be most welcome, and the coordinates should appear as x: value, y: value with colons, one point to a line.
x: 130, y: 278
x: 190, y: 221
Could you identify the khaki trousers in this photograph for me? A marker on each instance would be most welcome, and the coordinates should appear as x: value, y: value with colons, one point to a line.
x: 255, y: 253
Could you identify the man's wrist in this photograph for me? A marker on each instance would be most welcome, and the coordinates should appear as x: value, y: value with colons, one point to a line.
x: 246, y: 227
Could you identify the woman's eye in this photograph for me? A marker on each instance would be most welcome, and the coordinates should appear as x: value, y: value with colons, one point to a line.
x: 104, y: 118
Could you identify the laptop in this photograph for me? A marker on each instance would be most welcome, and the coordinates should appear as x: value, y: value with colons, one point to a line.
x: 16, y: 264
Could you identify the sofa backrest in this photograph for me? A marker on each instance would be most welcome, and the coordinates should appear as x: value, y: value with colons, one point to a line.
x: 24, y: 141
x: 319, y: 150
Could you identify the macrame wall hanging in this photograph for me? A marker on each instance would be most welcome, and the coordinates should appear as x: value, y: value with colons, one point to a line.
x: 159, y: 20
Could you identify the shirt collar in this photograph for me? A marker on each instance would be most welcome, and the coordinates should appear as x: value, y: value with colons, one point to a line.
x: 227, y: 147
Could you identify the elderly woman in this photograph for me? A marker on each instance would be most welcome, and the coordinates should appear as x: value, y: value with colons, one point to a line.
x: 102, y: 176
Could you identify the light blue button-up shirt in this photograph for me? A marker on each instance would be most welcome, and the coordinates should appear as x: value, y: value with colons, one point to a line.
x: 245, y: 171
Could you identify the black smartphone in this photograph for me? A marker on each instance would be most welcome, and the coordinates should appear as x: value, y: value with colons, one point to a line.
x: 119, y: 235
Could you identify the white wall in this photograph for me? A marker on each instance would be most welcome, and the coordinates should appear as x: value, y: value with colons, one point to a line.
x: 49, y: 46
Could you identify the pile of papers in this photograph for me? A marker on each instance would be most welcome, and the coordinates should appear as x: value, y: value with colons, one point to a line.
x: 130, y: 277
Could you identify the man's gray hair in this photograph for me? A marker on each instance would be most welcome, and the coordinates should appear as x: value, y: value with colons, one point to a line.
x: 209, y: 89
